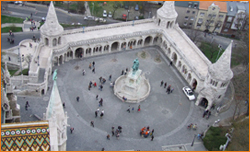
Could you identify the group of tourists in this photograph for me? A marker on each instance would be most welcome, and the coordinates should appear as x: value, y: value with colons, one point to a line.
x: 169, y: 88
x: 145, y: 132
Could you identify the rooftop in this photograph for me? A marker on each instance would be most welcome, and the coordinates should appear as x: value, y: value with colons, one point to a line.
x: 205, y: 4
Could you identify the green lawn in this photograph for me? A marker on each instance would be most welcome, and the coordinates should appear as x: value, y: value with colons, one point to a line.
x: 215, y: 137
x: 8, y: 19
x: 210, y: 51
x: 12, y: 28
x: 12, y: 72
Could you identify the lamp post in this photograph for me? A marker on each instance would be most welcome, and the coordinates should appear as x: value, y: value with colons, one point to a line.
x: 193, y: 140
x: 128, y: 16
x: 93, y: 9
x: 219, y: 46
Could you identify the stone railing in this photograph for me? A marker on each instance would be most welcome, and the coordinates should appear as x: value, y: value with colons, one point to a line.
x: 182, y: 56
x: 109, y: 26
x: 59, y: 50
x: 113, y: 38
x: 194, y: 47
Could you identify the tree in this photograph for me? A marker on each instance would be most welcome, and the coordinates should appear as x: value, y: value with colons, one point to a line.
x: 28, y: 59
x: 81, y: 7
x: 115, y: 7
x: 194, y: 34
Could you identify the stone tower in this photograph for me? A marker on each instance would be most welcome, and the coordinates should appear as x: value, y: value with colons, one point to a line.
x: 57, y: 120
x: 166, y: 15
x: 51, y: 31
x: 217, y: 80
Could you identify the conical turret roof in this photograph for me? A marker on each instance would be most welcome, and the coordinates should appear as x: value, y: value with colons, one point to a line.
x: 221, y: 69
x: 167, y: 10
x: 51, y: 26
x: 55, y: 107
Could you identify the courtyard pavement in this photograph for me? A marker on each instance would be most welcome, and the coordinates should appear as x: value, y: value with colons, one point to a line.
x: 168, y: 114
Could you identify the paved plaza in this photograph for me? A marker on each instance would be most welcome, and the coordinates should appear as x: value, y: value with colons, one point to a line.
x: 167, y: 114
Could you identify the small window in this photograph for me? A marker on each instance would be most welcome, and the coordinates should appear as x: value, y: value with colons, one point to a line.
x: 190, y: 24
x: 191, y: 18
x: 221, y: 16
x: 202, y: 14
x: 225, y: 30
x: 214, y: 15
x: 209, y: 15
x: 188, y: 11
x: 193, y: 12
x: 186, y: 17
x: 195, y: 5
x: 213, y: 8
x: 185, y: 23
x: 229, y: 19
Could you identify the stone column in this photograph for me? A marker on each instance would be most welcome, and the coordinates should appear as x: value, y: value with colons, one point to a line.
x: 58, y: 61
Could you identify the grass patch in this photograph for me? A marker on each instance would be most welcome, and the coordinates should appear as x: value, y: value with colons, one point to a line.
x: 12, y: 28
x: 25, y: 72
x: 210, y: 51
x: 12, y: 72
x: 215, y: 137
x: 8, y: 19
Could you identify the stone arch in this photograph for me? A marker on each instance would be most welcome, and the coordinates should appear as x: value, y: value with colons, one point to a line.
x: 179, y: 65
x: 189, y: 77
x: 106, y: 47
x: 168, y: 24
x: 56, y: 60
x: 123, y: 46
x: 194, y: 84
x: 71, y: 54
x: 59, y: 40
x: 203, y: 102
x: 100, y: 49
x: 67, y: 54
x: 114, y: 46
x: 79, y: 52
x: 54, y: 42
x: 88, y: 51
x: 155, y: 41
x: 169, y: 51
x: 160, y: 40
x: 174, y: 58
x: 159, y: 22
x: 171, y: 24
x: 46, y: 41
x: 184, y: 69
x: 61, y: 59
x: 139, y: 43
x: 147, y: 40
x: 42, y: 92
x: 165, y: 45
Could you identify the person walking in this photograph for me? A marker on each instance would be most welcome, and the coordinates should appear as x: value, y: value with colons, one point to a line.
x: 97, y: 110
x: 96, y: 113
x: 103, y: 149
x: 93, y: 70
x: 165, y: 84
x: 27, y: 105
x: 71, y: 130
x: 117, y: 135
x: 110, y: 76
x: 139, y: 108
x: 152, y: 138
x: 93, y: 63
x: 101, y: 102
x: 92, y: 123
x: 162, y: 82
x: 102, y: 114
x: 63, y: 105
x: 90, y: 65
x: 122, y: 72
x: 100, y: 79
x: 108, y: 137
x: 113, y: 130
x: 172, y: 89
x: 77, y: 99
x: 96, y: 97
x: 133, y: 109
x: 152, y: 132
x: 100, y: 88
x: 128, y: 110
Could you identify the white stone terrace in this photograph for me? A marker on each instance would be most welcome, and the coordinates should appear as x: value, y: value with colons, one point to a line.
x: 114, y: 32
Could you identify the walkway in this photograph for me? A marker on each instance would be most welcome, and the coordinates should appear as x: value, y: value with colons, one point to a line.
x: 167, y: 114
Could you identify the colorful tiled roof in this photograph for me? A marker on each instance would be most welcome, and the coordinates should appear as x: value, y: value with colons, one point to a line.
x: 205, y: 4
x: 28, y: 136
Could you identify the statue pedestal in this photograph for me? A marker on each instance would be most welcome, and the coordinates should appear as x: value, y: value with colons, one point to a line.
x: 135, y: 87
